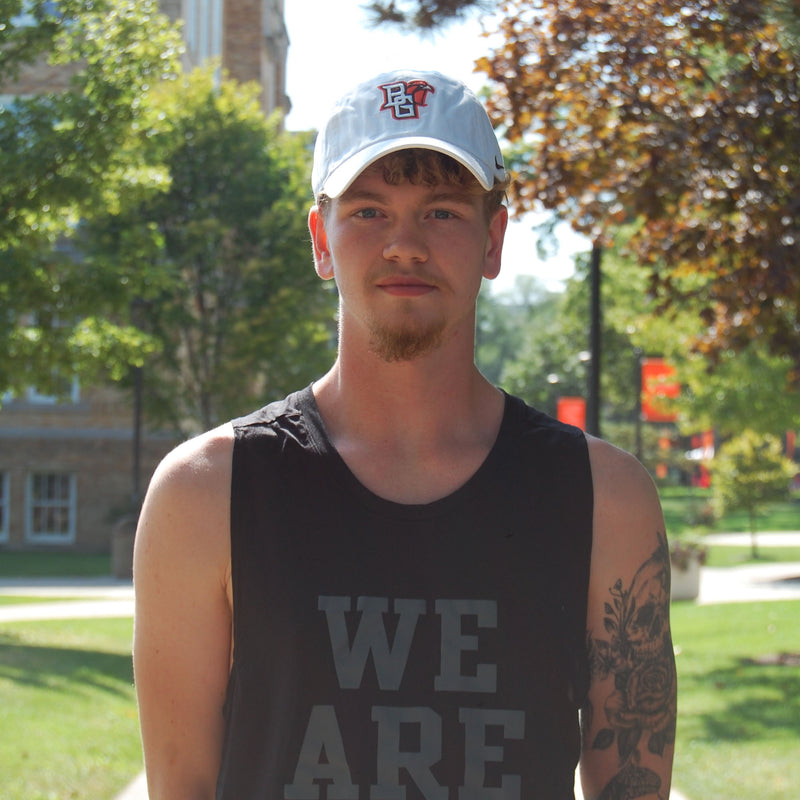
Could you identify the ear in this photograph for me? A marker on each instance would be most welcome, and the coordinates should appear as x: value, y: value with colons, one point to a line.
x: 323, y: 263
x: 494, y: 243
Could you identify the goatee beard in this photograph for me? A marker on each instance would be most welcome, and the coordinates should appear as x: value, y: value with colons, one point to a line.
x: 393, y: 345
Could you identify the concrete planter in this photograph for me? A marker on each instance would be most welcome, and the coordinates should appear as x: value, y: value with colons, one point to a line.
x: 686, y: 579
x: 122, y: 547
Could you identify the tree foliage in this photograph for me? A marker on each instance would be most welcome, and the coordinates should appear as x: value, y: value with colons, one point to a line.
x: 59, y: 149
x: 747, y: 389
x: 217, y: 259
x: 62, y: 158
x: 503, y: 320
x: 681, y: 116
x: 750, y: 472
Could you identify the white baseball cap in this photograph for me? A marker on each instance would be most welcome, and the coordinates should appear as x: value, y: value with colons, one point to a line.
x: 400, y: 110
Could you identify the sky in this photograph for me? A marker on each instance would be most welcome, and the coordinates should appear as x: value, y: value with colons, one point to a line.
x: 332, y: 48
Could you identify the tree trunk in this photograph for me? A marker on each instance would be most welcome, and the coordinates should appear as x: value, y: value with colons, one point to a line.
x: 753, y: 542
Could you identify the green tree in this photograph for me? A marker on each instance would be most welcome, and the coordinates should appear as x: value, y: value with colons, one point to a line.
x: 61, y: 158
x: 217, y: 258
x: 552, y: 359
x: 748, y: 389
x: 502, y: 320
x: 749, y: 472
x: 692, y: 138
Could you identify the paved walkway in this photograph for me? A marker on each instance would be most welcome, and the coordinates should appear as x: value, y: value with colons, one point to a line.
x: 110, y: 598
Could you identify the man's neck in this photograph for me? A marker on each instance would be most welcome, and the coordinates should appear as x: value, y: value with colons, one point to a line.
x: 382, y: 400
x: 410, y: 431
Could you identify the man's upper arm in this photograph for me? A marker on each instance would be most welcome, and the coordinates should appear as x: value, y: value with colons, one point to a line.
x: 629, y: 721
x: 182, y: 629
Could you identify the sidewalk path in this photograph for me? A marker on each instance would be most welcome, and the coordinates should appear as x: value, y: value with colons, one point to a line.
x: 754, y: 582
x: 749, y: 584
x: 77, y: 599
x: 763, y: 539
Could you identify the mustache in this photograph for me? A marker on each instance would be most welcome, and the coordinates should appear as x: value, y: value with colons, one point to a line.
x: 388, y: 274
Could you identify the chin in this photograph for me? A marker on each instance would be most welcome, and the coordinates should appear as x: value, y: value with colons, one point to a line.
x: 404, y: 345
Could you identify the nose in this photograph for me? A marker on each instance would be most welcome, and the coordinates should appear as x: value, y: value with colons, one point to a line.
x: 405, y: 243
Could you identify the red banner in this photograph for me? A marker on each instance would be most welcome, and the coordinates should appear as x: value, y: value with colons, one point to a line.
x: 659, y: 386
x: 572, y: 410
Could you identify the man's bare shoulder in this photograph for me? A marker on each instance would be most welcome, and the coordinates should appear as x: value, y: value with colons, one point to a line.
x: 199, y: 464
x: 187, y: 506
x: 627, y: 509
x: 616, y: 471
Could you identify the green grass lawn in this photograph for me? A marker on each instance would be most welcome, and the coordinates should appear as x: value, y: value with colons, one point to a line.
x: 687, y: 509
x: 724, y: 556
x: 738, y: 719
x: 19, y: 599
x: 53, y: 565
x: 68, y: 710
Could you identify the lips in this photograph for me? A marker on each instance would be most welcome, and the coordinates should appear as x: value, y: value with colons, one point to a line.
x: 405, y: 285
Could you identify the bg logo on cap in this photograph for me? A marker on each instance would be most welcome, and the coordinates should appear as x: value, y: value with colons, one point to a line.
x: 405, y: 98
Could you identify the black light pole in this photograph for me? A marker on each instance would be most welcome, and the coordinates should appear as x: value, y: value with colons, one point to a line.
x: 595, y: 336
x: 136, y: 494
x: 138, y: 307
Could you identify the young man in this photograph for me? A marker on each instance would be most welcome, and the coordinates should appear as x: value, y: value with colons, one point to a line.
x: 401, y: 582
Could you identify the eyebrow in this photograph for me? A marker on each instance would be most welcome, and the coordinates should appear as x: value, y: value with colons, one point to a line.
x: 360, y: 196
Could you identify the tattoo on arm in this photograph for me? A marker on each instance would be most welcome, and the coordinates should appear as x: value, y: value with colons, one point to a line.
x: 637, y: 653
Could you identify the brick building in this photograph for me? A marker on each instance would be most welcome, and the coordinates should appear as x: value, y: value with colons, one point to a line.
x: 67, y: 467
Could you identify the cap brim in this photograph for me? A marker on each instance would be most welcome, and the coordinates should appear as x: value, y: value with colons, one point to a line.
x: 340, y: 179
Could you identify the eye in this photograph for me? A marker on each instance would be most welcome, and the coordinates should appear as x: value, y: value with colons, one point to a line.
x: 366, y: 213
x: 443, y: 213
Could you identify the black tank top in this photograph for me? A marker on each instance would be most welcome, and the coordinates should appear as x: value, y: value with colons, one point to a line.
x: 388, y: 651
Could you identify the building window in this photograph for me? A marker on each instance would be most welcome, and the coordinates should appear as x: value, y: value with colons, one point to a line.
x: 3, y: 507
x: 51, y: 507
x: 70, y: 392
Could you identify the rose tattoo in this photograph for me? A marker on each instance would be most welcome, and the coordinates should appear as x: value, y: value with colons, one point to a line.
x: 638, y: 655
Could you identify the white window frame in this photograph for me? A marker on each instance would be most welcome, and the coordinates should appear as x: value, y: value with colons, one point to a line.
x: 32, y: 395
x: 68, y: 504
x: 4, y: 509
